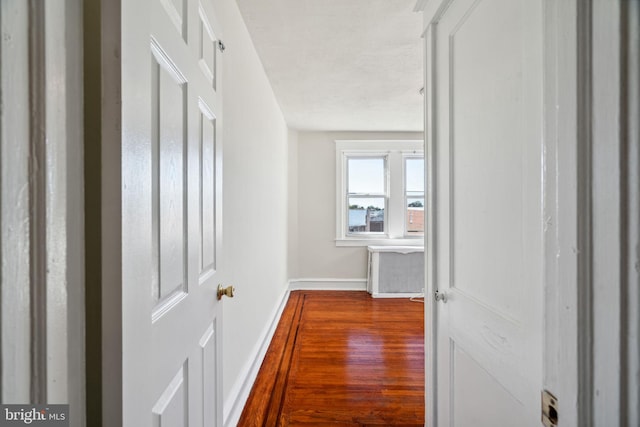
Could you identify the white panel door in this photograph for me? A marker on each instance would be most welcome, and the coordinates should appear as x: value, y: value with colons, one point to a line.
x: 488, y: 224
x: 171, y: 205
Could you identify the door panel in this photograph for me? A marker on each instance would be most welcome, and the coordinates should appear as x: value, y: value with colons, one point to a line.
x: 207, y: 52
x: 471, y: 402
x: 488, y: 212
x: 175, y: 10
x: 171, y: 355
x: 171, y: 408
x: 485, y: 140
x: 207, y: 146
x: 209, y: 355
x: 168, y: 92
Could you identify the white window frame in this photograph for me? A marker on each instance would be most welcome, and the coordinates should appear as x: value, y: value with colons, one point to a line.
x: 395, y: 152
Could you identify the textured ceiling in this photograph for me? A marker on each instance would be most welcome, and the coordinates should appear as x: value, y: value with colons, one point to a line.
x: 341, y: 64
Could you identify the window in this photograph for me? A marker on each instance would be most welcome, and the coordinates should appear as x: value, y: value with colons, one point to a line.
x: 414, y: 195
x: 366, y: 194
x: 379, y: 193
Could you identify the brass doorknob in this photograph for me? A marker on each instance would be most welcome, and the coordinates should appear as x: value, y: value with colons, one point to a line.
x: 228, y: 291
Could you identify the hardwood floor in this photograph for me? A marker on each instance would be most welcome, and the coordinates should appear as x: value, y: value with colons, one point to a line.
x: 342, y: 359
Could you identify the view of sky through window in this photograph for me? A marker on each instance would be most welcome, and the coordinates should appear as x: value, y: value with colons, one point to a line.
x: 366, y: 175
x: 414, y: 176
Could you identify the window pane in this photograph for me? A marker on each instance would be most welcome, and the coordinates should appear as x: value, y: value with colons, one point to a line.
x: 366, y: 176
x: 415, y: 215
x: 414, y: 172
x: 366, y: 215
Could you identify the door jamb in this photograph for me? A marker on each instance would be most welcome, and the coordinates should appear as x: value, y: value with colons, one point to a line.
x: 102, y: 176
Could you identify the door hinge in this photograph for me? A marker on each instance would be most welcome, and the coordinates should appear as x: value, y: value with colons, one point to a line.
x: 549, y: 409
x: 221, y: 46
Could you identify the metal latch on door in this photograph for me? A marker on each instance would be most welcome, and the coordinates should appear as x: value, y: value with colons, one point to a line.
x: 549, y: 409
x: 440, y: 296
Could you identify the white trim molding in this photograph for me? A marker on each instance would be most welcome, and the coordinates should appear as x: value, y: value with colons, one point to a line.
x: 630, y: 208
x: 591, y: 206
x: 42, y: 316
x: 614, y: 187
x: 235, y: 402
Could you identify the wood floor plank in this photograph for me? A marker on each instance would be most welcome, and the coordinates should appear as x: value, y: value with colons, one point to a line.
x: 266, y: 394
x: 342, y: 358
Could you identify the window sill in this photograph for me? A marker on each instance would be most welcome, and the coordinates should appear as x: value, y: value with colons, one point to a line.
x: 344, y: 242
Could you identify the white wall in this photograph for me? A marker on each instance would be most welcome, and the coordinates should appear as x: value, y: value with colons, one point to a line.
x: 254, y: 199
x: 318, y: 256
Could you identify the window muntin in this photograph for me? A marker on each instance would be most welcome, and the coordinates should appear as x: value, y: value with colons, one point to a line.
x: 414, y: 195
x: 366, y: 194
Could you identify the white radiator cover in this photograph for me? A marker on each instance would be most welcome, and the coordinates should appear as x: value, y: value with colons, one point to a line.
x: 395, y: 271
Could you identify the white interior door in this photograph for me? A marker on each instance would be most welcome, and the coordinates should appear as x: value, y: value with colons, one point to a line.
x: 171, y: 205
x: 486, y: 80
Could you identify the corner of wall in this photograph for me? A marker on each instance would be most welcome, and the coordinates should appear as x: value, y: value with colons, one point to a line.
x: 292, y: 200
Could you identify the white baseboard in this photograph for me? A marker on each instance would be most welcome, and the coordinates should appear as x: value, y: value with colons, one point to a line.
x: 240, y: 391
x: 328, y: 284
